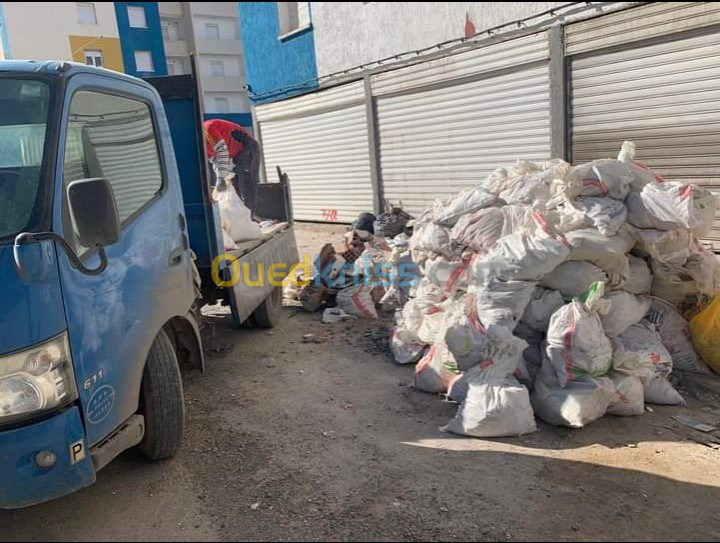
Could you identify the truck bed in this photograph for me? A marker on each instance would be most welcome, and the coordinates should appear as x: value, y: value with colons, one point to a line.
x: 244, y: 247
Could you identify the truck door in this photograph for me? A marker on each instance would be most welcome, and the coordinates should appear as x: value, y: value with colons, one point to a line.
x: 116, y: 130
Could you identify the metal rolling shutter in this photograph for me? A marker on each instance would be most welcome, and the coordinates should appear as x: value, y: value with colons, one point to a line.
x: 321, y: 141
x: 435, y: 142
x: 665, y: 97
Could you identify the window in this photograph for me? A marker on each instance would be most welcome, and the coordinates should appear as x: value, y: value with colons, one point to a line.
x: 222, y: 105
x: 171, y: 30
x: 94, y: 58
x: 144, y: 61
x: 136, y: 16
x: 174, y: 66
x: 114, y: 137
x: 217, y: 68
x: 293, y: 16
x: 25, y: 105
x: 212, y: 31
x: 86, y: 13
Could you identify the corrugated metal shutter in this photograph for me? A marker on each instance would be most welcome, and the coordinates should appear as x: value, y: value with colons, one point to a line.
x: 436, y: 142
x: 639, y: 23
x: 126, y: 154
x: 665, y: 97
x: 320, y: 140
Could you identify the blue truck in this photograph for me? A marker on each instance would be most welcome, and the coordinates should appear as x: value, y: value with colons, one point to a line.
x: 110, y: 242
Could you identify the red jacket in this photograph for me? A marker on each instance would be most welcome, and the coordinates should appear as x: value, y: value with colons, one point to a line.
x: 216, y: 130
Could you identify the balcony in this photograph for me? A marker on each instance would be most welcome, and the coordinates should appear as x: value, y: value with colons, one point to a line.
x: 219, y: 47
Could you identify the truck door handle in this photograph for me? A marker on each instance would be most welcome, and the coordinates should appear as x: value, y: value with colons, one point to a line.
x: 176, y: 257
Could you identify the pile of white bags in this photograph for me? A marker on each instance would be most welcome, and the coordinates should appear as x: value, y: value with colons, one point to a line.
x: 557, y: 292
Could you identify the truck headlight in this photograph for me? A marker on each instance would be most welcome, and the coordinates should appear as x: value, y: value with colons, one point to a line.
x: 36, y: 379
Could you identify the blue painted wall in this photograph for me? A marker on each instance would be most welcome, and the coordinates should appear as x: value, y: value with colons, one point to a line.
x: 243, y: 119
x: 4, y: 35
x: 141, y: 39
x: 275, y: 69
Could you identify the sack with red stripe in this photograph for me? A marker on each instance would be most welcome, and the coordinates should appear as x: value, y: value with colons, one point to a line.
x: 436, y: 370
x: 357, y: 301
x: 672, y: 206
x: 577, y: 346
x: 629, y: 398
x: 605, y: 177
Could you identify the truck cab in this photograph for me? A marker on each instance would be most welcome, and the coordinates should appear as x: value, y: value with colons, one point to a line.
x: 101, y: 235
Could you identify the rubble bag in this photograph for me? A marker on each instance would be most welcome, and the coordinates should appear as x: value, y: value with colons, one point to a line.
x: 672, y: 206
x: 639, y: 352
x: 467, y: 201
x: 543, y: 304
x: 405, y: 346
x: 576, y: 404
x: 357, y: 301
x: 431, y: 237
x: 502, y: 303
x: 494, y: 408
x: 605, y: 177
x: 436, y: 370
x: 236, y: 217
x: 629, y: 400
x: 705, y: 331
x: 640, y: 279
x: 659, y: 391
x: 577, y: 346
x: 574, y: 278
x: 605, y: 214
x: 624, y: 310
x: 669, y: 247
x: 675, y: 333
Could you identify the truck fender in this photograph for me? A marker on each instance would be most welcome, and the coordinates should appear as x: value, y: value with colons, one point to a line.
x: 184, y: 332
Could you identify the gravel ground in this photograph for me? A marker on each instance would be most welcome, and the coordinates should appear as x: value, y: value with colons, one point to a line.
x: 326, y: 441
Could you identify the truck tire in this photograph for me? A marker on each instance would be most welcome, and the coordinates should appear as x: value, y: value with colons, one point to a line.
x: 268, y: 314
x: 162, y: 402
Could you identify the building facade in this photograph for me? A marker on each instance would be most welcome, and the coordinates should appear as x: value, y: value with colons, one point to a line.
x: 144, y: 39
x: 211, y: 32
x: 279, y: 48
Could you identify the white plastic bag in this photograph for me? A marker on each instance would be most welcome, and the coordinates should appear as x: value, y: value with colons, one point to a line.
x: 406, y: 346
x: 357, y: 300
x: 672, y: 206
x: 674, y: 284
x: 640, y: 279
x: 436, y: 370
x: 605, y: 214
x: 577, y: 346
x: 481, y: 230
x: 629, y: 398
x: 576, y: 404
x: 607, y: 252
x: 624, y: 310
x: 521, y: 257
x: 467, y: 201
x: 605, y: 177
x: 502, y: 303
x: 639, y: 352
x: 574, y: 278
x: 495, y: 408
x: 671, y: 247
x: 542, y: 305
x: 448, y: 275
x: 236, y: 217
x: 675, y: 333
x: 659, y: 391
x: 431, y: 237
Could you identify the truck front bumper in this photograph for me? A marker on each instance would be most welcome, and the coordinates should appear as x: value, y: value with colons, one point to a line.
x: 23, y: 482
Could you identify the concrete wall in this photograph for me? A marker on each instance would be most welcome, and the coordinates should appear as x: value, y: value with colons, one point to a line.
x: 272, y: 64
x: 351, y: 33
x: 141, y: 39
x: 40, y: 30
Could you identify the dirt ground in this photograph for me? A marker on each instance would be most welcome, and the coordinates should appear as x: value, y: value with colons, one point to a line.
x: 326, y: 441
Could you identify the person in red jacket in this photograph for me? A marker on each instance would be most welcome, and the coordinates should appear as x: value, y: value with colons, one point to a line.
x: 235, y: 156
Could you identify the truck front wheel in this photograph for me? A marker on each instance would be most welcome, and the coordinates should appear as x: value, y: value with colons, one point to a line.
x: 161, y: 401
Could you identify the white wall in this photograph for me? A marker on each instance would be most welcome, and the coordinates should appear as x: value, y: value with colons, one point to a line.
x: 238, y: 102
x: 352, y: 33
x: 233, y: 65
x: 229, y: 29
x: 40, y: 30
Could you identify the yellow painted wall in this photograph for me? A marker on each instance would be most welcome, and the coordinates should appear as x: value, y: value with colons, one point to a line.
x: 110, y: 47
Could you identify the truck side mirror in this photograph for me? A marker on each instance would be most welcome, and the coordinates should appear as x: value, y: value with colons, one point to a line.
x: 93, y: 212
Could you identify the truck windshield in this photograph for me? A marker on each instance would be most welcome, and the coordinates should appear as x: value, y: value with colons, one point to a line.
x: 24, y: 107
